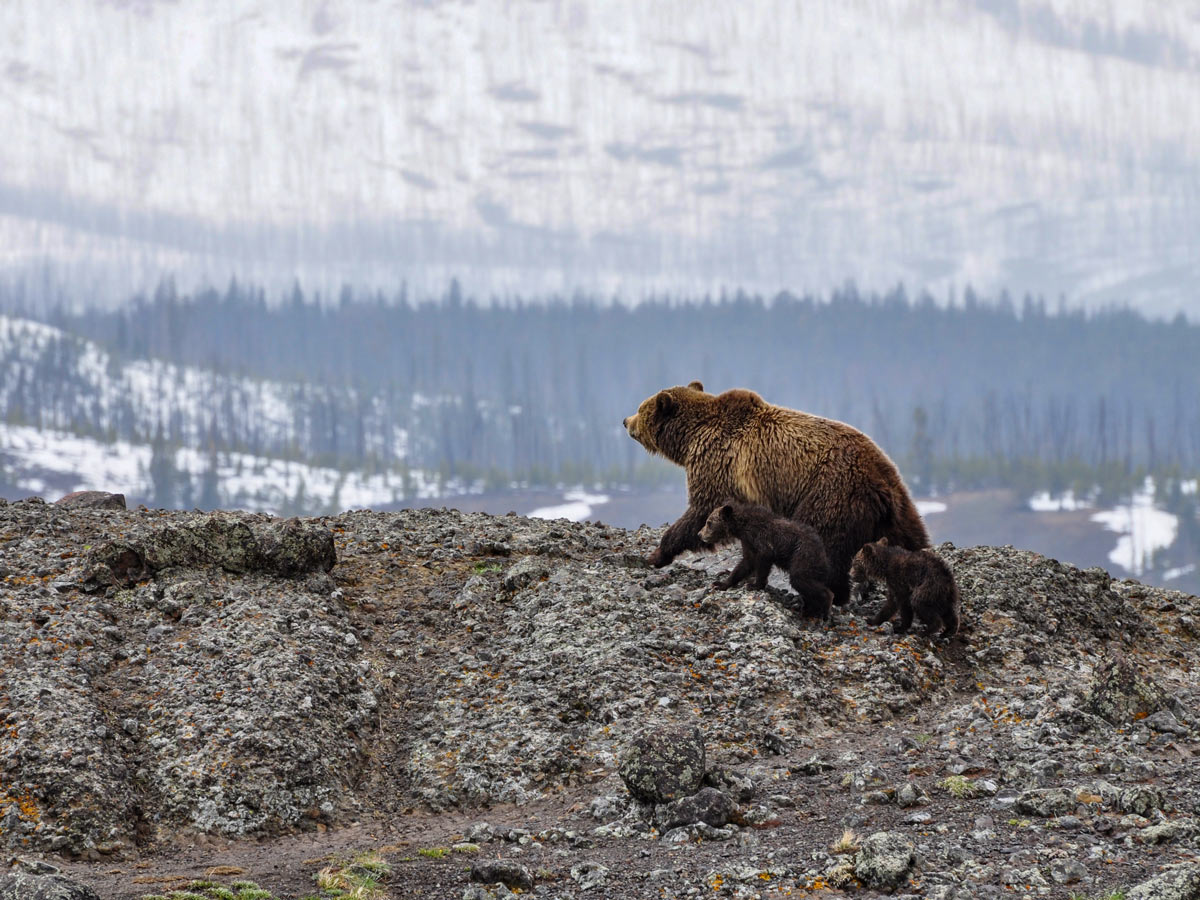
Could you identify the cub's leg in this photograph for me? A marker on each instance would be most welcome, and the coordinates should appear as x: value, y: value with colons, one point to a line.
x: 762, y: 571
x: 747, y: 564
x: 818, y: 599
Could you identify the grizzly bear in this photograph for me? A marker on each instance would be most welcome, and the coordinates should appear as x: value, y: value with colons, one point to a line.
x: 737, y: 445
x: 771, y: 540
x: 917, y: 581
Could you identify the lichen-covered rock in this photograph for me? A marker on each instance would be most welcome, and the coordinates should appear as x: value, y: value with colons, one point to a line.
x: 708, y: 805
x: 92, y: 500
x: 1120, y: 694
x: 1181, y: 882
x: 664, y: 764
x: 23, y: 886
x: 503, y: 871
x: 236, y: 543
x: 884, y: 860
x: 1046, y: 802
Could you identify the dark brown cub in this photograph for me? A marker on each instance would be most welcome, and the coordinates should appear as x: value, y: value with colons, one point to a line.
x: 772, y: 540
x: 918, y: 582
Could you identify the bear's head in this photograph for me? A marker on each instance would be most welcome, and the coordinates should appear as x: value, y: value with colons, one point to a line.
x: 718, y: 527
x: 868, y: 561
x: 652, y: 424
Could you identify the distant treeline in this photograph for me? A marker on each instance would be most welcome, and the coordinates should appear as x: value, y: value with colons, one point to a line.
x: 967, y: 394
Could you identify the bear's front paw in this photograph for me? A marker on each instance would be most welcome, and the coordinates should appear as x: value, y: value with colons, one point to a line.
x: 658, y: 559
x: 723, y: 583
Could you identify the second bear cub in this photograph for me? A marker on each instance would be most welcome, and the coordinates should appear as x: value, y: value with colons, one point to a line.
x: 918, y: 581
x: 772, y: 540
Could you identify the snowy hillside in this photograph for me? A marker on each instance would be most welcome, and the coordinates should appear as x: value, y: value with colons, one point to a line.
x: 613, y: 145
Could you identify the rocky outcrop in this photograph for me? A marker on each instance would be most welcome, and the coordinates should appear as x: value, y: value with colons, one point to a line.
x: 92, y: 500
x: 180, y: 673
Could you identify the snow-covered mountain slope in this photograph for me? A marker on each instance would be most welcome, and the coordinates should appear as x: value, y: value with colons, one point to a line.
x: 1051, y: 145
x: 50, y: 463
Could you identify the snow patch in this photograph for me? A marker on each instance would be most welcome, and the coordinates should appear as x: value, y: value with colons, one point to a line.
x: 1144, y: 530
x: 1065, y: 502
x: 930, y: 507
x: 578, y: 506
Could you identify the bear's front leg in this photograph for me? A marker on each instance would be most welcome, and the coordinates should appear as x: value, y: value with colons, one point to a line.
x: 683, y: 535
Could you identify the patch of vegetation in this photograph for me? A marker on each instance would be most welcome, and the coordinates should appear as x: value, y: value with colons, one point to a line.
x: 485, y: 568
x: 847, y: 843
x: 959, y: 786
x: 205, y: 889
x: 434, y: 852
x: 1115, y: 895
x: 358, y: 879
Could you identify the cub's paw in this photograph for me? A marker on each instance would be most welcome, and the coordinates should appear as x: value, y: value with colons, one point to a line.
x: 658, y: 559
x: 722, y: 583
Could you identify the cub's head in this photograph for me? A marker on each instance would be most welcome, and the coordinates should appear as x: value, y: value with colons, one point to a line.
x: 654, y: 425
x: 718, y: 527
x: 868, y: 561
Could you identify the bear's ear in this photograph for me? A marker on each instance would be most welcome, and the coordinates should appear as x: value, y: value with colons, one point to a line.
x: 882, y: 542
x: 727, y: 512
x: 696, y: 386
x: 664, y: 404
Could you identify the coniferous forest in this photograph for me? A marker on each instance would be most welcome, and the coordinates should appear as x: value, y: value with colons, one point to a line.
x: 968, y: 393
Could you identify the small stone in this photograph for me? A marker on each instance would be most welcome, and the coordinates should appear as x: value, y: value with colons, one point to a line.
x: 589, y: 875
x: 1068, y: 871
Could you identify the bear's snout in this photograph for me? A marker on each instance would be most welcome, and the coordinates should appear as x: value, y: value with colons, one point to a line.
x: 625, y: 423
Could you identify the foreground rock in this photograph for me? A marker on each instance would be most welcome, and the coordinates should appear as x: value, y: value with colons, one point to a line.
x: 218, y: 681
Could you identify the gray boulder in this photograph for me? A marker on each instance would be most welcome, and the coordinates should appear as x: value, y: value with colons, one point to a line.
x: 235, y: 543
x: 884, y: 860
x: 1120, y: 694
x: 1180, y: 882
x: 92, y: 500
x: 24, y: 886
x: 503, y: 871
x: 708, y: 805
x: 664, y: 765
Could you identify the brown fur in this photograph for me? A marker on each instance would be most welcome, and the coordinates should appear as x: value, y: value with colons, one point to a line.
x: 770, y: 540
x: 737, y: 445
x: 918, y: 582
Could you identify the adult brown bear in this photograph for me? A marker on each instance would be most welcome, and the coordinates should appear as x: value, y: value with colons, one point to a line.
x: 817, y: 470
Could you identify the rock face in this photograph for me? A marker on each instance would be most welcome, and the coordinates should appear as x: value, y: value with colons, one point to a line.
x: 164, y: 674
x: 193, y: 699
x: 239, y: 544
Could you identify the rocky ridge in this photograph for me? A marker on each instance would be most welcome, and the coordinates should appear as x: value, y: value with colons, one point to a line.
x: 169, y: 678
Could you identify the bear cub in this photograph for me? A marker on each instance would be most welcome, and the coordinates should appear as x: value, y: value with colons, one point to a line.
x: 771, y: 540
x: 918, y: 581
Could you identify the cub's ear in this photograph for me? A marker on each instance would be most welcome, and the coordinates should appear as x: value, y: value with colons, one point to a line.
x: 727, y: 512
x: 665, y: 404
x: 696, y: 386
x: 882, y: 542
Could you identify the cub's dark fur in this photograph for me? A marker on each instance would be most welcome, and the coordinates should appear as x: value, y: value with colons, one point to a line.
x: 918, y: 581
x: 767, y: 540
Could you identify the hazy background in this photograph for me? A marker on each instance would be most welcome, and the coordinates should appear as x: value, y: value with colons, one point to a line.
x: 300, y: 257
